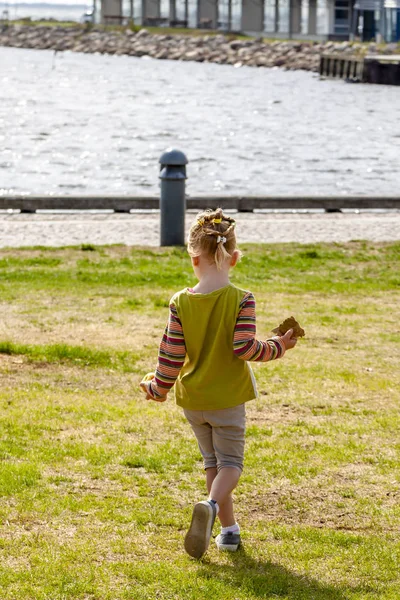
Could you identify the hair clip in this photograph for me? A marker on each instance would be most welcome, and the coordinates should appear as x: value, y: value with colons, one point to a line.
x: 221, y: 238
x: 217, y: 220
x: 201, y: 222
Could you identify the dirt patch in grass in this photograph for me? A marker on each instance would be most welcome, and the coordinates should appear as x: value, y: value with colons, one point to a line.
x: 336, y: 501
x: 90, y: 326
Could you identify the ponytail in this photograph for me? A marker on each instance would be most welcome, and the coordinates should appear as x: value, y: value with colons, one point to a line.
x: 213, y: 234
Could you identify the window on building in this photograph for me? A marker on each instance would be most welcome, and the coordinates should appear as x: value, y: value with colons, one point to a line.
x: 269, y: 15
x: 322, y: 17
x: 283, y: 18
x: 137, y: 12
x: 342, y: 16
x: 304, y: 16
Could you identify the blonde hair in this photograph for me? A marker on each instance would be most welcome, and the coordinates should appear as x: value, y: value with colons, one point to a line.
x: 213, y: 235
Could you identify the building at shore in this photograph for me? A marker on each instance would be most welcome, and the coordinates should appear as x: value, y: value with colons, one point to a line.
x: 299, y: 19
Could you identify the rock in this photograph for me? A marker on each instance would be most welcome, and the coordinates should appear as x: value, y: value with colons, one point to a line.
x: 236, y: 44
x: 193, y: 55
x: 391, y: 49
x: 262, y: 61
x: 219, y: 48
x: 161, y: 54
x: 279, y: 62
x: 342, y: 46
x: 142, y: 33
x: 242, y: 52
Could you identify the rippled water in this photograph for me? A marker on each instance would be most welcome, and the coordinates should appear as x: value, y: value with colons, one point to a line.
x: 75, y: 123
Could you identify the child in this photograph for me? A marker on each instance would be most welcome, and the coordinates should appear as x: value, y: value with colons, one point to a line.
x: 208, y: 340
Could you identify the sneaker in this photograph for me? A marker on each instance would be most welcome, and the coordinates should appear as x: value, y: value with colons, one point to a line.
x: 228, y: 541
x: 197, y: 538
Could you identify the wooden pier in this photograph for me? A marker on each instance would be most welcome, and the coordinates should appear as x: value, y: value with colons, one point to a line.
x: 382, y: 69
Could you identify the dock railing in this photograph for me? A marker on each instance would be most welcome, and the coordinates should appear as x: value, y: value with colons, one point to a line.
x: 243, y: 203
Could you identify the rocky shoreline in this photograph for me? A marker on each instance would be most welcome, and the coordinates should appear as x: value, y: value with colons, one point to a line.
x: 220, y: 49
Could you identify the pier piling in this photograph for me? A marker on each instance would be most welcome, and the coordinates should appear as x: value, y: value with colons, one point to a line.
x: 369, y: 69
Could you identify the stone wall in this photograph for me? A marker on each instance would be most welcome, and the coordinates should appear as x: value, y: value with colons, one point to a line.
x: 219, y: 49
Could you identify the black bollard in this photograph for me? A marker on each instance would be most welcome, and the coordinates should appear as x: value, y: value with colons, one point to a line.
x: 172, y: 198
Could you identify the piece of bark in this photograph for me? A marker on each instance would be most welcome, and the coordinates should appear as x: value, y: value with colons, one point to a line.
x: 287, y: 324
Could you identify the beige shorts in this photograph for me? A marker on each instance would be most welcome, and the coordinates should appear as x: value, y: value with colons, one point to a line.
x: 220, y: 435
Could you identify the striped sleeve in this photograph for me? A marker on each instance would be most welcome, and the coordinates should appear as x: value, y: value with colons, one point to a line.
x: 245, y: 344
x: 171, y: 356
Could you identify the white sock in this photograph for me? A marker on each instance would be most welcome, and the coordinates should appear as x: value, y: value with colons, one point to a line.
x: 231, y: 529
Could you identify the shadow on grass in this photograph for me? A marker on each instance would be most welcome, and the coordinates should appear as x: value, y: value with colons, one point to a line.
x: 268, y: 580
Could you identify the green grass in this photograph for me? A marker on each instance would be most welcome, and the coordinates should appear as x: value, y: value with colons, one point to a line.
x: 27, y: 21
x: 61, y: 353
x: 97, y: 484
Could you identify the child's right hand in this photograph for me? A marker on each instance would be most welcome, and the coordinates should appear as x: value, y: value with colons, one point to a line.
x: 288, y: 340
x: 145, y: 385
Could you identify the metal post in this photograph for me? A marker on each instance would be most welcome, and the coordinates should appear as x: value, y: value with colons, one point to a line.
x: 276, y: 28
x: 187, y: 13
x: 290, y: 32
x: 172, y: 198
x: 172, y: 12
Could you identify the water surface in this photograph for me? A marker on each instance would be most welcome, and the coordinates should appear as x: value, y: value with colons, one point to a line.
x: 79, y: 123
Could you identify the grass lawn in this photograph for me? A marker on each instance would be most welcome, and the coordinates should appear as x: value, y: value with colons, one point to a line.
x: 97, y: 485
